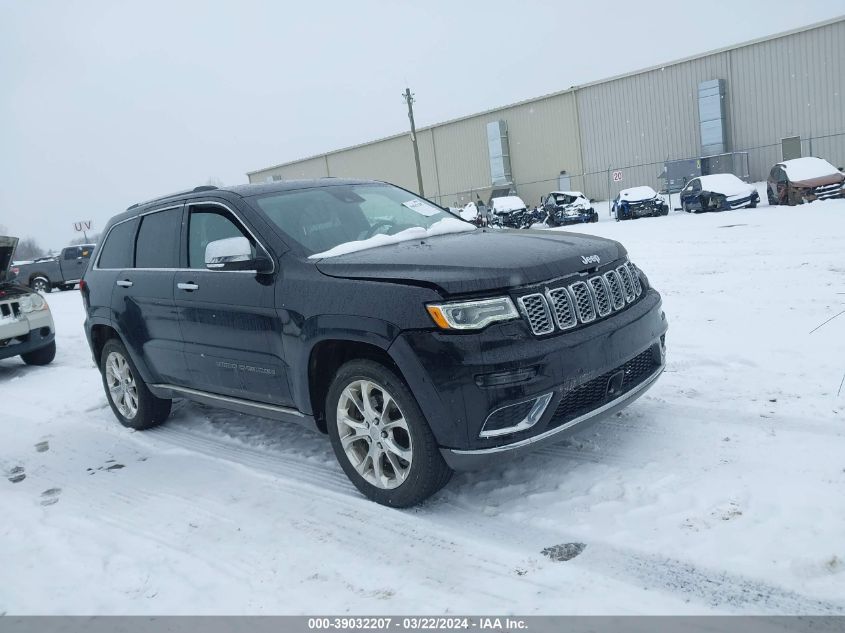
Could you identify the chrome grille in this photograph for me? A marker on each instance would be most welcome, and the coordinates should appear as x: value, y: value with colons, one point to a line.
x: 632, y: 270
x: 561, y: 303
x: 600, y: 295
x: 627, y: 283
x: 583, y: 301
x: 615, y: 286
x: 536, y: 310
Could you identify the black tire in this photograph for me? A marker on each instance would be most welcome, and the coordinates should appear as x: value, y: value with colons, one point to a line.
x: 41, y: 284
x: 753, y: 204
x: 43, y: 356
x: 151, y: 411
x: 772, y: 200
x: 428, y: 472
x: 685, y: 207
x: 595, y: 218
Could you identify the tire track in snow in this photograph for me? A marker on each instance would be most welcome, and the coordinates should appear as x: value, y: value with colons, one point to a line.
x: 716, y: 589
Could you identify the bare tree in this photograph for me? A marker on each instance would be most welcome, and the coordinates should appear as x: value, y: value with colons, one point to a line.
x: 3, y: 229
x: 28, y: 248
x: 92, y: 239
x: 214, y: 181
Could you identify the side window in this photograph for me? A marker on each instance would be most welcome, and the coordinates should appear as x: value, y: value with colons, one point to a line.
x: 695, y: 186
x: 157, y: 245
x: 207, y: 224
x: 72, y: 252
x: 86, y: 252
x: 117, y: 251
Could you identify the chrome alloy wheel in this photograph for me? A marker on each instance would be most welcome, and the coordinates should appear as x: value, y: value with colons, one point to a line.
x: 374, y: 434
x: 121, y: 383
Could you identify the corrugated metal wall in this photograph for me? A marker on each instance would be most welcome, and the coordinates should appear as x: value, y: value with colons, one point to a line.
x: 778, y: 87
x: 790, y: 86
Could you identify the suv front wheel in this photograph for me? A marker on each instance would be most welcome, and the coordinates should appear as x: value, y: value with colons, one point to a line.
x: 381, y: 438
x: 130, y: 399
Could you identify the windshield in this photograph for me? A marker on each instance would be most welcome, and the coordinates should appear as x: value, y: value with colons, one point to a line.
x: 336, y: 219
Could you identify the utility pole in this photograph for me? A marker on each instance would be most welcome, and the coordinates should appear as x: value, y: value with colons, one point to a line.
x: 409, y: 99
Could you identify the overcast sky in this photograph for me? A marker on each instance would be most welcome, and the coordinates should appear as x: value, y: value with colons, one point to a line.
x: 103, y: 104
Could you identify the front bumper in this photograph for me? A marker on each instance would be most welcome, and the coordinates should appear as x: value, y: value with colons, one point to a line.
x: 30, y: 333
x: 477, y: 458
x: 730, y: 204
x: 581, y: 218
x: 459, y: 380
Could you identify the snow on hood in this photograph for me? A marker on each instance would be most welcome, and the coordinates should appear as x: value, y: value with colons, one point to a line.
x: 507, y: 203
x: 635, y: 194
x: 808, y: 168
x: 441, y: 227
x: 726, y: 184
x: 574, y: 194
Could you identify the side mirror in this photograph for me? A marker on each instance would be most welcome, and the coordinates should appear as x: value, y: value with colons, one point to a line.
x: 235, y: 253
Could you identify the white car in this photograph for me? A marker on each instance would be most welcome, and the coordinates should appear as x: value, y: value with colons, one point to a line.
x: 26, y: 324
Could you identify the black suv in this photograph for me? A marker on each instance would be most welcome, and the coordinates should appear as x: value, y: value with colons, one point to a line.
x: 419, y: 342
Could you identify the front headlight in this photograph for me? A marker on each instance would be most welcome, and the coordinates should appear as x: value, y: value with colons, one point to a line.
x: 472, y: 315
x: 32, y: 302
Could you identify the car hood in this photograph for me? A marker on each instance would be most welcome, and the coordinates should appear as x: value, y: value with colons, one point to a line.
x: 480, y: 261
x: 7, y: 249
x: 829, y: 179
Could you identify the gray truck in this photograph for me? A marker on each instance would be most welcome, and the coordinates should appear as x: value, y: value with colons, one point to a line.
x: 62, y: 272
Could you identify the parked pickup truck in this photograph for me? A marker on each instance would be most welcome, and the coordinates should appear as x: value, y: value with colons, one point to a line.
x: 61, y: 272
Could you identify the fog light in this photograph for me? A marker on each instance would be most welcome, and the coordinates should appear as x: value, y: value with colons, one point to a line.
x: 514, y: 418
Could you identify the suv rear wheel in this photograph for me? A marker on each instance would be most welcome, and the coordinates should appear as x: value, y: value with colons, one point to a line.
x: 133, y: 403
x: 381, y: 438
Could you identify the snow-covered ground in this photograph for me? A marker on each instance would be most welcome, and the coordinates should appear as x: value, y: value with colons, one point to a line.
x: 720, y: 491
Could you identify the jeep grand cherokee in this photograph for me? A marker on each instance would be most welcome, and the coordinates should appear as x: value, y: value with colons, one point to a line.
x: 418, y: 342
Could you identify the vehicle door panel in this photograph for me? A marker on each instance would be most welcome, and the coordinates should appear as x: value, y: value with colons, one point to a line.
x: 143, y: 298
x: 230, y: 326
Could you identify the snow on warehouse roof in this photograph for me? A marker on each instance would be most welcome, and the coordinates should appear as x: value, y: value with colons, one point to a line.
x: 633, y: 194
x: 807, y: 168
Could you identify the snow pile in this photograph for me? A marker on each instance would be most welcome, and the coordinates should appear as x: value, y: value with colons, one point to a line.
x: 726, y: 184
x: 469, y: 212
x: 807, y: 168
x: 635, y: 194
x: 441, y: 227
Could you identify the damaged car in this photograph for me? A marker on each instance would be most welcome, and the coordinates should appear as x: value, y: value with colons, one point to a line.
x: 803, y: 180
x: 26, y: 324
x: 718, y: 192
x: 639, y: 202
x: 510, y: 212
x: 568, y: 207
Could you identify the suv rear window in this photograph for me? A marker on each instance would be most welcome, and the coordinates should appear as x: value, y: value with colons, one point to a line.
x: 117, y: 251
x: 157, y: 245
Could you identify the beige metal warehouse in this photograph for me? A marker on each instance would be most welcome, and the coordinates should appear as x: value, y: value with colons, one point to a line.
x: 785, y: 85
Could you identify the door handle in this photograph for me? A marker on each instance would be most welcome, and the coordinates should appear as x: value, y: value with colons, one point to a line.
x: 190, y: 287
x: 124, y: 283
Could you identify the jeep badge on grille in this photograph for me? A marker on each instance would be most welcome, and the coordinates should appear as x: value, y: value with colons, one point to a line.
x: 591, y: 259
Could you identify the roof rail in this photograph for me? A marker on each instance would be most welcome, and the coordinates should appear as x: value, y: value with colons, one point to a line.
x: 172, y: 195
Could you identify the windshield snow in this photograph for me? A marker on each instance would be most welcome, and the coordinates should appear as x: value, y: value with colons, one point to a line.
x: 336, y: 219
